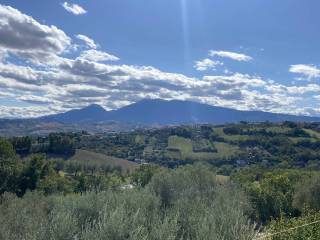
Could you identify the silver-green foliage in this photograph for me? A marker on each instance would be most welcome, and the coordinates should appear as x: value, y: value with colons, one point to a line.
x: 186, y: 203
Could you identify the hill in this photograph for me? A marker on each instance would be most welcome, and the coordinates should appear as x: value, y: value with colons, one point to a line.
x: 89, y: 158
x: 42, y: 127
x: 143, y: 114
x: 92, y: 113
x: 231, y: 145
x: 161, y: 112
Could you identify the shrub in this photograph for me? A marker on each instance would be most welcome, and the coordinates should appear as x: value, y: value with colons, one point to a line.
x: 185, y: 203
x: 295, y: 228
x: 307, y: 194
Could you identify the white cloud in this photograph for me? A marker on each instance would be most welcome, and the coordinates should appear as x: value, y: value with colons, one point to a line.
x: 81, y: 82
x: 317, y: 97
x: 309, y: 71
x: 3, y: 55
x: 231, y: 55
x: 97, y: 56
x: 61, y: 84
x: 15, y: 85
x: 236, y: 80
x: 73, y: 8
x: 6, y: 94
x: 27, y: 38
x: 34, y: 99
x: 25, y: 112
x: 88, y: 41
x: 206, y: 64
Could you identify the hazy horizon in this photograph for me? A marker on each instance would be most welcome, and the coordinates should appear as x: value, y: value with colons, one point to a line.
x: 146, y: 109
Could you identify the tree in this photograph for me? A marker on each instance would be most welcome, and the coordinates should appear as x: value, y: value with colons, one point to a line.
x: 307, y: 194
x: 60, y: 143
x: 143, y: 175
x: 187, y: 182
x: 54, y: 183
x: 6, y: 149
x: 82, y: 183
x: 32, y: 174
x: 272, y: 196
x: 233, y: 130
x: 22, y: 145
x: 10, y: 171
x: 9, y: 167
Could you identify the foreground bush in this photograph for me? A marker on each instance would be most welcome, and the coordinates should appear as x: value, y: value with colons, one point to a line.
x: 304, y: 227
x: 307, y: 194
x: 185, y: 203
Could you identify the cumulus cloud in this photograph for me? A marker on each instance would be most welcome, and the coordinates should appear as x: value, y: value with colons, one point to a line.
x: 309, y: 71
x: 231, y: 55
x: 88, y: 41
x: 27, y: 38
x: 236, y: 80
x: 116, y: 85
x: 73, y: 8
x: 97, y: 56
x: 80, y: 82
x: 317, y: 97
x: 206, y: 64
x: 25, y: 112
x: 6, y: 94
x: 21, y: 73
x: 62, y: 83
x: 3, y: 55
x: 35, y: 99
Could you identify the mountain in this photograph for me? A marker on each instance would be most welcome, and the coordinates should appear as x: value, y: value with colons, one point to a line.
x: 162, y: 112
x: 92, y: 113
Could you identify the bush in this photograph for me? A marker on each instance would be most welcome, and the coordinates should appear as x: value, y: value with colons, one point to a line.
x: 198, y: 208
x: 205, y: 209
x: 307, y: 194
x: 295, y: 228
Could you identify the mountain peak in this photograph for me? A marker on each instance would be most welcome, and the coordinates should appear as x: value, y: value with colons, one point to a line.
x: 151, y: 100
x: 163, y: 112
x: 94, y: 107
x: 91, y: 113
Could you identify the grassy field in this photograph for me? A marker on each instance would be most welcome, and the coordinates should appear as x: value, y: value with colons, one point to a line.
x: 312, y: 133
x: 182, y: 148
x: 220, y: 132
x: 298, y: 139
x: 223, y: 144
x: 87, y: 157
x: 278, y: 129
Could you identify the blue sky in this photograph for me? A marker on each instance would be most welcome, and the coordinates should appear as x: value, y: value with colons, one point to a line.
x: 249, y: 54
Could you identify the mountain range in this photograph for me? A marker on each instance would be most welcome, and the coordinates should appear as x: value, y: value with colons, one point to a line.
x: 162, y: 112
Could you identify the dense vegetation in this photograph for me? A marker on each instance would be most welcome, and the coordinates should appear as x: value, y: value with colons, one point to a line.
x: 284, y: 145
x: 18, y: 175
x: 184, y: 204
x: 247, y: 181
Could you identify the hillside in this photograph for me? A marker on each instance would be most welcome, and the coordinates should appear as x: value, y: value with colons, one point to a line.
x: 41, y: 127
x: 161, y: 112
x: 231, y: 145
x: 88, y: 158
x: 269, y: 165
x: 144, y: 114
